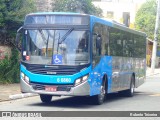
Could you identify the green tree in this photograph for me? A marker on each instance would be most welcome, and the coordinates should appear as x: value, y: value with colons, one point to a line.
x: 146, y: 17
x: 81, y: 6
x: 9, y: 68
x: 12, y: 13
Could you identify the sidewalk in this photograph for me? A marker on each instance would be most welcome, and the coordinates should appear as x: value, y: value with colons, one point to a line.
x: 12, y: 91
x: 7, y: 90
x: 148, y: 71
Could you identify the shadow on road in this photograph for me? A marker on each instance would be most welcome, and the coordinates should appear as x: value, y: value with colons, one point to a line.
x: 82, y: 102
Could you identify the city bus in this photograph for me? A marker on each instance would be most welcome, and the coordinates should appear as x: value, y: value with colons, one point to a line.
x: 73, y: 54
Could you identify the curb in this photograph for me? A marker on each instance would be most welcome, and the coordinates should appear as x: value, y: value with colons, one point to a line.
x: 20, y: 96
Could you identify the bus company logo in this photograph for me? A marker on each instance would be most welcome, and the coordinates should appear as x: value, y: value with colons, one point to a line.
x: 53, y: 73
x: 6, y: 114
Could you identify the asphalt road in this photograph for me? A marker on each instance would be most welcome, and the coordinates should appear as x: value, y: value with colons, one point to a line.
x: 146, y: 98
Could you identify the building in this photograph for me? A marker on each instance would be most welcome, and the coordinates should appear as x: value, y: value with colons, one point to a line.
x: 123, y: 11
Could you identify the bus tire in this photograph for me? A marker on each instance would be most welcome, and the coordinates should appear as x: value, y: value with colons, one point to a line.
x: 100, y: 98
x: 130, y: 91
x: 45, y: 98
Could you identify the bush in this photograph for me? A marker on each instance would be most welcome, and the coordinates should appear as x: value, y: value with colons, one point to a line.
x: 9, y: 68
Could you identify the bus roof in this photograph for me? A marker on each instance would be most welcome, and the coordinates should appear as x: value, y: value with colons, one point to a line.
x: 94, y: 19
x: 56, y: 13
x: 115, y: 24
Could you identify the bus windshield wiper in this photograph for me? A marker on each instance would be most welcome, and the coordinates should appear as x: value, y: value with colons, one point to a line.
x: 42, y: 35
x: 65, y: 36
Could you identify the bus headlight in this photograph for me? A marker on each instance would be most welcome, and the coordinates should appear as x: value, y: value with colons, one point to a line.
x: 81, y: 80
x: 78, y: 81
x: 84, y: 78
x: 24, y: 77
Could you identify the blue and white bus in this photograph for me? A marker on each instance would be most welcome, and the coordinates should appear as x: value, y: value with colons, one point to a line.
x: 71, y: 54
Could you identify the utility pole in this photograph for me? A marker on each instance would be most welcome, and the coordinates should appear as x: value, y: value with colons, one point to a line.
x: 154, y: 51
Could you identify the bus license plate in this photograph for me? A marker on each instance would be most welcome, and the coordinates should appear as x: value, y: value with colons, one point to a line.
x: 51, y: 88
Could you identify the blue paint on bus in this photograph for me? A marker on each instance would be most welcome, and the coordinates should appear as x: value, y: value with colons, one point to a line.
x: 54, y: 79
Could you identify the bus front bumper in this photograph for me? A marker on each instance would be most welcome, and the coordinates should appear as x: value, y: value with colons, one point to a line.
x: 81, y: 90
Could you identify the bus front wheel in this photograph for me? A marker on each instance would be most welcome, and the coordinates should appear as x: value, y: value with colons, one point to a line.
x: 45, y: 98
x: 99, y: 99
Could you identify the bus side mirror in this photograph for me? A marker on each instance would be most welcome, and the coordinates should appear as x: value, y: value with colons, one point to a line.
x: 18, y: 42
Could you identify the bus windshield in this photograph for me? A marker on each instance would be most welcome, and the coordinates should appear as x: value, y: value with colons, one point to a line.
x: 63, y: 47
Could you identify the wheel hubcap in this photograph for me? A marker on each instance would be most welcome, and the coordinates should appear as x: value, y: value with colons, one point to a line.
x: 102, y: 93
x: 132, y: 88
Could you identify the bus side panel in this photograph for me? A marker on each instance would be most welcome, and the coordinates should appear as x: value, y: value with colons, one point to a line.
x: 122, y: 73
x: 123, y: 68
x: 104, y: 67
x: 140, y: 71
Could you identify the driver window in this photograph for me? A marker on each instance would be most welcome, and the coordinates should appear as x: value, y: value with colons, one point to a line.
x: 100, y: 42
x: 97, y: 39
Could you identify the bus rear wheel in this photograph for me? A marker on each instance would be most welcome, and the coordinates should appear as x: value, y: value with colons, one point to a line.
x: 130, y: 91
x: 45, y: 98
x: 99, y: 99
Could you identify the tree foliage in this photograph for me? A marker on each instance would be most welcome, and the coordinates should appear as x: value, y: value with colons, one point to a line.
x: 12, y: 13
x: 146, y: 17
x: 9, y: 68
x: 80, y: 6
